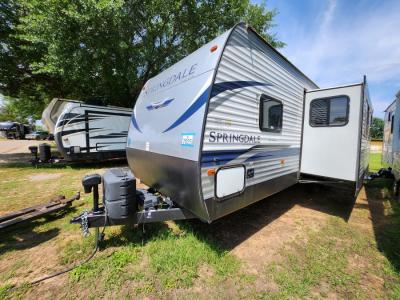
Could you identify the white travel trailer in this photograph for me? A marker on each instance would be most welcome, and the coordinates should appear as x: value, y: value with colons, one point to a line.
x: 87, y: 132
x: 388, y: 130
x: 227, y: 126
x: 391, y: 139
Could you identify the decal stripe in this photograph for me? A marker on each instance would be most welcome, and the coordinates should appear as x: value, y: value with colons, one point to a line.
x: 67, y: 132
x: 134, y: 122
x: 109, y: 136
x: 274, y: 154
x: 76, y: 120
x: 219, y: 158
x: 217, y: 88
x: 200, y: 101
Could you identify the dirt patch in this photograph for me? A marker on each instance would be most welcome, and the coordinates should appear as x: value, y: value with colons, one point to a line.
x: 257, y: 233
x: 264, y: 245
x: 44, y: 176
x: 16, y: 151
x: 18, y: 146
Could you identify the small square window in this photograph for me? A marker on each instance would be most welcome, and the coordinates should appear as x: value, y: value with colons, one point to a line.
x: 327, y: 112
x: 271, y: 114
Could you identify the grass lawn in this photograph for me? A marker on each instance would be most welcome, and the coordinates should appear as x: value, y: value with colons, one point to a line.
x: 375, y: 162
x: 294, y: 245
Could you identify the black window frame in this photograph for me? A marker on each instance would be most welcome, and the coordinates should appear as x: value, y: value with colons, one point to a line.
x: 391, y: 124
x: 368, y: 122
x: 329, y: 115
x: 265, y: 98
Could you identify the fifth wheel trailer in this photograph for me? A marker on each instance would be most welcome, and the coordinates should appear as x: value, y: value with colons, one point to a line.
x: 85, y: 132
x: 224, y: 128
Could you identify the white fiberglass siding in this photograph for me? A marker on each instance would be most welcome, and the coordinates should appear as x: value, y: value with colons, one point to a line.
x: 248, y: 69
x: 387, y: 154
x: 365, y: 137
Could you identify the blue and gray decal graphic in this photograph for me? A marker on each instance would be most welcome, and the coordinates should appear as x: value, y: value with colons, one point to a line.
x: 134, y: 122
x: 160, y: 104
x: 215, y: 89
x: 220, y: 158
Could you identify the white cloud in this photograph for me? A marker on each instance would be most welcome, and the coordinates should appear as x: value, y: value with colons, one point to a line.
x: 348, y: 46
x: 343, y: 43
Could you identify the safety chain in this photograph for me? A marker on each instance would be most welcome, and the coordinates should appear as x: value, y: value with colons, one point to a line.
x: 85, y: 224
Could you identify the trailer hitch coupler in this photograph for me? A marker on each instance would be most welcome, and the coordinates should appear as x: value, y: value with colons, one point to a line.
x: 90, y: 182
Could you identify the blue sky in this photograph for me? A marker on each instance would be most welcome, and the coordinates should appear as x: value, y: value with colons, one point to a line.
x: 337, y: 41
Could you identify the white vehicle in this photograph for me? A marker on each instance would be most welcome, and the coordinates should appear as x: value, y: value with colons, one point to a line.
x: 391, y: 139
x: 233, y: 123
x: 87, y: 132
x: 388, y: 130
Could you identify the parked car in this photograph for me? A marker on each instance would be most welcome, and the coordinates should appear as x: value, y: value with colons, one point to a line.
x: 37, y: 135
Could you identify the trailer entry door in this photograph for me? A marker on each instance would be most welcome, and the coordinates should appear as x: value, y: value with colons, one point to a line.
x: 331, y: 133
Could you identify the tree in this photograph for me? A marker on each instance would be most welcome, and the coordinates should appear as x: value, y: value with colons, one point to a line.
x: 106, y: 50
x: 377, y: 128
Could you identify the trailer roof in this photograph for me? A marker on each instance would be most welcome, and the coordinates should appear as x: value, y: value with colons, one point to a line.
x: 335, y: 87
x: 390, y: 105
x: 90, y: 104
x: 277, y: 52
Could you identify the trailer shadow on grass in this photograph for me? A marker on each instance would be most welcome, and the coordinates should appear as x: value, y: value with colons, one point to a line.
x: 385, y: 215
x: 228, y: 232
x: 23, y: 160
x: 232, y: 230
x: 24, y: 236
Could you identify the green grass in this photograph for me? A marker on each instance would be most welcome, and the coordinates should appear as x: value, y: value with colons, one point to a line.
x: 169, y: 259
x: 322, y: 262
x: 5, y: 290
x: 375, y: 162
x: 178, y: 260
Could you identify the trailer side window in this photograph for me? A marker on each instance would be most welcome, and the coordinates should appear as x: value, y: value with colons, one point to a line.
x: 391, y: 125
x: 333, y: 111
x: 271, y: 113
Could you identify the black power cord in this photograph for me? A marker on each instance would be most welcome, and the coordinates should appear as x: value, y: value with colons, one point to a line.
x: 98, y: 238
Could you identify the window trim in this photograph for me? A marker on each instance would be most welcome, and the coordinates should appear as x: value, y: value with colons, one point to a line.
x: 392, y: 124
x: 265, y: 97
x: 329, y: 111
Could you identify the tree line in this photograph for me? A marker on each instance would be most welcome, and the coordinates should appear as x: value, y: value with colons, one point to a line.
x: 103, y: 51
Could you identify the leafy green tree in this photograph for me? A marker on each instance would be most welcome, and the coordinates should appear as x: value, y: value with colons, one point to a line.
x: 106, y: 50
x: 377, y: 128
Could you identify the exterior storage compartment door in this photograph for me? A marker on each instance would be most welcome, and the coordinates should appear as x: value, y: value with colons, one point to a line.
x: 229, y: 181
